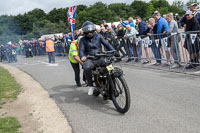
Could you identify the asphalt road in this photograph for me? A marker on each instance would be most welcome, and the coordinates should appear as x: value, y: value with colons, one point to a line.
x: 161, y: 102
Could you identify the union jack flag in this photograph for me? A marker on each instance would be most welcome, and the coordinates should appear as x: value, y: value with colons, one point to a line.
x: 71, y: 18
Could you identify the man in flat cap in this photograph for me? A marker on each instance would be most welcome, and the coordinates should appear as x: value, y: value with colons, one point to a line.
x: 196, y: 14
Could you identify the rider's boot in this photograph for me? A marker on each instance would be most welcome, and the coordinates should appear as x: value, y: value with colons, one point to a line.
x: 91, y: 90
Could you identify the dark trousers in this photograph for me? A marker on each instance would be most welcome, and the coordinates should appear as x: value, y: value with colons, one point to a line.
x: 88, y: 65
x: 8, y: 57
x: 118, y: 46
x: 1, y: 58
x: 51, y: 56
x: 29, y: 53
x: 156, y: 52
x: 67, y: 48
x: 129, y: 48
x: 76, y: 69
x: 14, y: 58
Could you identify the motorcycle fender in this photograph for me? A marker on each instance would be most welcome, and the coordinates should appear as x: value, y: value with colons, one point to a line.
x: 118, y: 74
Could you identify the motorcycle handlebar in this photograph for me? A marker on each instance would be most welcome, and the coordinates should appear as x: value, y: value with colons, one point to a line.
x: 105, y: 54
x: 102, y: 54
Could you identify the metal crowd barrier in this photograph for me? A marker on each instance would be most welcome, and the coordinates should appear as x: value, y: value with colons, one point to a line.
x: 182, y: 48
x: 60, y: 49
x: 190, y: 43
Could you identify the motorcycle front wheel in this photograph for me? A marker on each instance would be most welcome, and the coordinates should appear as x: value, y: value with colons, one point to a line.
x: 121, y: 95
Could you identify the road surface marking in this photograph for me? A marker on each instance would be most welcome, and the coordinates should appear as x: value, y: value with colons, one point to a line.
x: 197, y: 72
x: 52, y: 64
x: 46, y: 63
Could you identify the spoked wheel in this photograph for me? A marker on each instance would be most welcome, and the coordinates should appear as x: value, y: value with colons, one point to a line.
x: 121, y: 98
x: 96, y: 93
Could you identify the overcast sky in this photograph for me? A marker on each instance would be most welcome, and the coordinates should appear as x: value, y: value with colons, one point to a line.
x: 14, y: 7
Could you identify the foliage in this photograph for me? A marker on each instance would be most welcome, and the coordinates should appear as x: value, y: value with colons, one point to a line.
x: 140, y: 8
x: 35, y: 23
x: 178, y: 4
x: 9, y: 125
x: 120, y: 10
x: 160, y: 3
x: 191, y: 2
x: 57, y: 15
x: 96, y: 13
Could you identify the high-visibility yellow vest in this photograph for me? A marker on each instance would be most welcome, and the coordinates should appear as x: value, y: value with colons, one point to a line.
x: 49, y: 46
x: 74, y: 47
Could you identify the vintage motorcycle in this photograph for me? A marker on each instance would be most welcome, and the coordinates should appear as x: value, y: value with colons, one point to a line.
x: 110, y: 82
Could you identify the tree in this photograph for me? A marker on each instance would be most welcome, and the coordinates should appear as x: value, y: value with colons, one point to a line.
x: 150, y: 10
x: 160, y: 4
x: 120, y: 10
x: 37, y: 14
x: 164, y: 7
x: 142, y: 8
x: 25, y: 23
x: 81, y: 8
x: 191, y: 2
x: 95, y: 13
x: 80, y: 19
x: 56, y: 15
x: 98, y: 12
x: 178, y: 3
x: 175, y: 10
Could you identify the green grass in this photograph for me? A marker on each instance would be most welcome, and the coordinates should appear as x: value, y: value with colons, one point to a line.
x: 9, y: 125
x: 9, y: 88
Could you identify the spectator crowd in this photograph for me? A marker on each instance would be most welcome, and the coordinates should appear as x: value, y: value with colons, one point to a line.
x: 133, y: 38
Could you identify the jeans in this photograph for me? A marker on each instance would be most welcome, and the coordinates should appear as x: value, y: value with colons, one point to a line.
x: 139, y: 50
x: 51, y: 56
x: 88, y: 65
x: 174, y: 49
x: 156, y: 52
x: 129, y: 48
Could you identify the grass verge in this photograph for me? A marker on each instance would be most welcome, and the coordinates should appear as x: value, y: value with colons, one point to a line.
x: 9, y: 90
x: 9, y: 125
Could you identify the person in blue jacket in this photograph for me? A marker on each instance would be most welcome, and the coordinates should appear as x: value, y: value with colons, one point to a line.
x: 130, y: 22
x: 162, y: 27
x: 142, y: 28
x: 69, y: 39
x: 162, y: 24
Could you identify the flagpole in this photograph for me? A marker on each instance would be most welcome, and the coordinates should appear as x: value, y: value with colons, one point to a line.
x: 72, y: 17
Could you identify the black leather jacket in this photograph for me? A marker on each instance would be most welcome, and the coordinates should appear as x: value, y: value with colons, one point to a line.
x: 192, y: 25
x: 90, y: 46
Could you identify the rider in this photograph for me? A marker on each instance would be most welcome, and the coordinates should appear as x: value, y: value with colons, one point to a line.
x: 89, y: 45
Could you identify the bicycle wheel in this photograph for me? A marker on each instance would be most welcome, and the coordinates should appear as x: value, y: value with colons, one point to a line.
x: 121, y: 98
